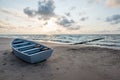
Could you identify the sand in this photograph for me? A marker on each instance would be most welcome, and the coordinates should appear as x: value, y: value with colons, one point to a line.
x: 68, y: 62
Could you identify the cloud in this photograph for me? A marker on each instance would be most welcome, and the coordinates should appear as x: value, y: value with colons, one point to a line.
x: 45, y: 9
x: 6, y: 25
x: 9, y: 11
x: 15, y: 14
x: 5, y: 11
x: 109, y: 3
x: 9, y: 28
x: 74, y: 27
x: 67, y: 14
x: 1, y: 26
x: 84, y: 18
x: 67, y: 23
x: 113, y: 3
x: 29, y: 12
x: 45, y: 23
x: 72, y: 8
x: 114, y: 19
x: 95, y: 1
x: 90, y: 1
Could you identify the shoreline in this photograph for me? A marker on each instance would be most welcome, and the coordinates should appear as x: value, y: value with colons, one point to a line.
x: 63, y: 43
x: 68, y: 62
x: 86, y: 45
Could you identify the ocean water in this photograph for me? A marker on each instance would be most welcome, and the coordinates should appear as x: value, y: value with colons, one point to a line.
x: 101, y: 40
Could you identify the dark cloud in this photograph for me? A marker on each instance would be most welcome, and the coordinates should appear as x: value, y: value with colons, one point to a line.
x: 30, y: 12
x: 68, y: 23
x: 84, y: 18
x: 67, y: 14
x: 65, y: 22
x: 114, y: 19
x: 45, y: 9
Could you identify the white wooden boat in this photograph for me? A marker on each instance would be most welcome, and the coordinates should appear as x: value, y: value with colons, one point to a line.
x: 30, y: 51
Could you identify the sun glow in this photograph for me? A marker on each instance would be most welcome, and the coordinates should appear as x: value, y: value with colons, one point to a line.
x: 50, y: 26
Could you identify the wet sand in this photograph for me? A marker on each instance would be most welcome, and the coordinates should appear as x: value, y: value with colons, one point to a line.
x: 68, y: 62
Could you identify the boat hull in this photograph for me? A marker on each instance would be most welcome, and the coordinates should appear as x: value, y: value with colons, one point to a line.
x: 28, y: 51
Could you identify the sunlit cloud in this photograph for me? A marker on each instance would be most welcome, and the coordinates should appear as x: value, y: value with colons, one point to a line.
x: 109, y: 3
x: 6, y: 27
x: 113, y: 3
x: 45, y: 11
x: 15, y: 13
x: 56, y: 17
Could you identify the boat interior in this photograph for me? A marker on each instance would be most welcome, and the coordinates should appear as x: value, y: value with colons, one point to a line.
x: 28, y: 47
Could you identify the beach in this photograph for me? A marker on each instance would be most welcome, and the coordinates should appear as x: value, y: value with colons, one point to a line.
x: 68, y: 62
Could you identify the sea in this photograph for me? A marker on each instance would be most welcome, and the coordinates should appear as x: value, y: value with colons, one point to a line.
x: 100, y: 40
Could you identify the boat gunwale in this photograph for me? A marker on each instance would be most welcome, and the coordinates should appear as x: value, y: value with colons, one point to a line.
x: 22, y: 52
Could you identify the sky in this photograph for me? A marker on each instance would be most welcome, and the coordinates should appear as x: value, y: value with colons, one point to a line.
x: 59, y: 16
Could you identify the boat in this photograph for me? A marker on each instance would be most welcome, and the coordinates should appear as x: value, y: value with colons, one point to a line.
x: 30, y: 51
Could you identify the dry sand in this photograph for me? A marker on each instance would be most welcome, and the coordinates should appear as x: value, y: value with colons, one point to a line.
x: 68, y: 62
